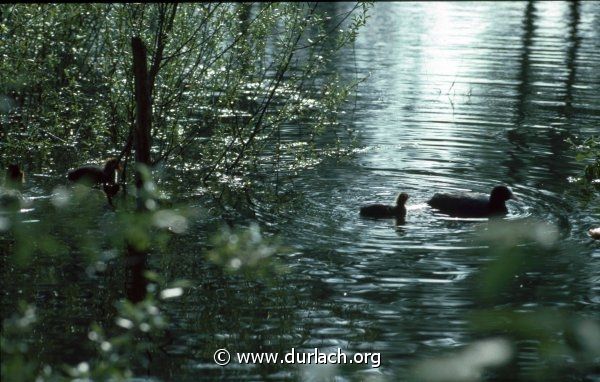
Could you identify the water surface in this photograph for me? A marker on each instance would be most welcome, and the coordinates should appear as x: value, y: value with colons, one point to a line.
x: 461, y: 97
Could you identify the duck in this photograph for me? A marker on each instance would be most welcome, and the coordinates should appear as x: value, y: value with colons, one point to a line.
x: 473, y: 207
x: 383, y: 211
x: 595, y: 233
x: 96, y: 175
x: 14, y: 175
x: 10, y: 196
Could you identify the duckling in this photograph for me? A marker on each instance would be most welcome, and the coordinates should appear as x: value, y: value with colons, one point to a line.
x: 473, y: 207
x: 595, y: 233
x: 96, y: 175
x: 383, y: 211
x: 14, y: 175
x: 10, y: 197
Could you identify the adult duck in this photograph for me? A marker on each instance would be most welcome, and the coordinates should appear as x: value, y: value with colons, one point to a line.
x: 466, y: 206
x: 384, y: 211
x: 96, y: 175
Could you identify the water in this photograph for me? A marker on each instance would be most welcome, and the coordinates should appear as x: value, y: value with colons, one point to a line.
x: 461, y: 97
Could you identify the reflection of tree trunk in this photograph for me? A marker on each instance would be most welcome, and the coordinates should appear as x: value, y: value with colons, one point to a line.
x: 136, y: 256
x: 524, y: 85
x: 558, y: 137
x: 571, y: 57
x: 517, y: 136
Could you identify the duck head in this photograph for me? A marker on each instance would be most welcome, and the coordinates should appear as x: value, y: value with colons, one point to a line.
x: 401, y: 199
x: 112, y: 167
x: 113, y: 164
x: 501, y: 194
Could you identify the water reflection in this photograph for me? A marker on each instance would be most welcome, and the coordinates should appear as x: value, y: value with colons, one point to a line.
x: 574, y: 41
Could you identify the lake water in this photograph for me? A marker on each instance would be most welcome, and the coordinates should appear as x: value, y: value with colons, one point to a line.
x: 462, y: 97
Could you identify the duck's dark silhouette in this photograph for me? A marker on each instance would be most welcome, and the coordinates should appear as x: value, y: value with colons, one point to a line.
x: 383, y: 211
x: 10, y: 195
x: 473, y: 207
x: 110, y: 189
x: 96, y: 176
x: 14, y: 175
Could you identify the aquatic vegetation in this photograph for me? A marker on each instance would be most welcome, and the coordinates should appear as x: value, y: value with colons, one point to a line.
x: 588, y: 152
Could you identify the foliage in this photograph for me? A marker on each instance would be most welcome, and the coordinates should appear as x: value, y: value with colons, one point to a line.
x: 228, y: 83
x: 244, y: 251
x: 140, y: 326
x: 513, y: 315
x: 588, y: 151
x: 248, y: 91
x: 45, y: 264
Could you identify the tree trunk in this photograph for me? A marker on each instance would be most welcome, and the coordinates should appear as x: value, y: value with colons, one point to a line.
x: 137, y: 257
x: 143, y: 103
